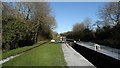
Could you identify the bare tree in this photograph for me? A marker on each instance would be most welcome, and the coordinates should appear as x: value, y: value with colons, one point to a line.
x: 78, y: 27
x: 110, y: 13
x: 43, y: 21
x: 87, y: 22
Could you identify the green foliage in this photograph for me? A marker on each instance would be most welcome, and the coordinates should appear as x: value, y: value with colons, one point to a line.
x: 13, y: 31
x: 25, y: 23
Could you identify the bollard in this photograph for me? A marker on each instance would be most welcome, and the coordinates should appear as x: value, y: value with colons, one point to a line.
x: 97, y: 47
x: 74, y: 41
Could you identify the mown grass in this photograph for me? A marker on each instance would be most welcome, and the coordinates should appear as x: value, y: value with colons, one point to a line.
x: 49, y: 54
x: 19, y: 50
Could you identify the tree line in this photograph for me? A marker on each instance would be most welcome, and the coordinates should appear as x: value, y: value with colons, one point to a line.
x: 105, y: 31
x: 25, y: 23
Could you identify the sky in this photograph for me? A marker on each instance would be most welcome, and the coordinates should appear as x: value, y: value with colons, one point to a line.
x: 69, y: 13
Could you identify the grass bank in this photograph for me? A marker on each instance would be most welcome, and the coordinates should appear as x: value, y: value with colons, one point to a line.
x: 49, y: 54
x: 19, y: 50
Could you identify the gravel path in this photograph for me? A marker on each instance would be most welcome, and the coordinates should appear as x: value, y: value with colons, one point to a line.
x: 73, y: 58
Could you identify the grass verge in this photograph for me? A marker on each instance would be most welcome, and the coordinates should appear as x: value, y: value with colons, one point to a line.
x: 49, y: 54
x: 19, y: 50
